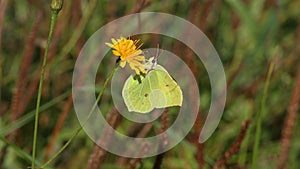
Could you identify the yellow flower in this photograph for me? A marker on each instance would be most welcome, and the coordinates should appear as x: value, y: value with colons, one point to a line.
x: 128, y: 51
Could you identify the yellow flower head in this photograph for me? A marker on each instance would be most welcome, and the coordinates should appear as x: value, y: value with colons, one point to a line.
x: 128, y: 51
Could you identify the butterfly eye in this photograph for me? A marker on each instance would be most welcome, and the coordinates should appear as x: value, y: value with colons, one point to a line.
x: 153, y: 61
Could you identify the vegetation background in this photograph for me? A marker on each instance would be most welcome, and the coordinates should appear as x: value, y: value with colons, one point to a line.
x: 258, y: 43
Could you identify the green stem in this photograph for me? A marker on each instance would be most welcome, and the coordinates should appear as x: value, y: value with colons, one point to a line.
x: 259, y: 117
x: 88, y: 117
x: 55, y: 8
x: 19, y: 152
x: 28, y: 117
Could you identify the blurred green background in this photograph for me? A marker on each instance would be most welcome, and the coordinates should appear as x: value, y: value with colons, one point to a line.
x: 257, y: 41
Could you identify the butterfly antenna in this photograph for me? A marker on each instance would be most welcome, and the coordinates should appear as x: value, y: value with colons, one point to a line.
x: 157, y: 53
x: 155, y: 58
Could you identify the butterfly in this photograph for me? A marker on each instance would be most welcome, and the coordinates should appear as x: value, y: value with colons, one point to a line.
x: 155, y: 89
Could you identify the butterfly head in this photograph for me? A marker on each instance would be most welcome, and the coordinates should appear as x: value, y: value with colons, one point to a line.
x: 151, y: 63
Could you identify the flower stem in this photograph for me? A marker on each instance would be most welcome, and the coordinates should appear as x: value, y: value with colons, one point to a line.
x: 55, y: 10
x: 259, y: 117
x: 88, y: 117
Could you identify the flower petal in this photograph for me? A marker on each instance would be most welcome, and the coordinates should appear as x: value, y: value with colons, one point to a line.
x: 129, y: 52
x: 114, y: 41
x: 122, y: 63
x: 109, y: 44
x: 117, y: 53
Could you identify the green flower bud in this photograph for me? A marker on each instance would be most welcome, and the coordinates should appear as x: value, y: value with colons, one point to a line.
x: 56, y: 5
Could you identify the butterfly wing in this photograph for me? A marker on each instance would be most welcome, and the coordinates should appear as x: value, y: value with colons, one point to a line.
x: 168, y: 87
x: 136, y: 95
x: 156, y: 90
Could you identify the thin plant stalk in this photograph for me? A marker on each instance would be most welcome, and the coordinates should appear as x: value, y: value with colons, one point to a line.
x: 88, y: 117
x: 56, y: 6
x: 19, y: 152
x: 259, y: 117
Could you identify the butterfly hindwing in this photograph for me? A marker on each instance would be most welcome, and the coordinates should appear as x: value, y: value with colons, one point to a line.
x: 135, y: 95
